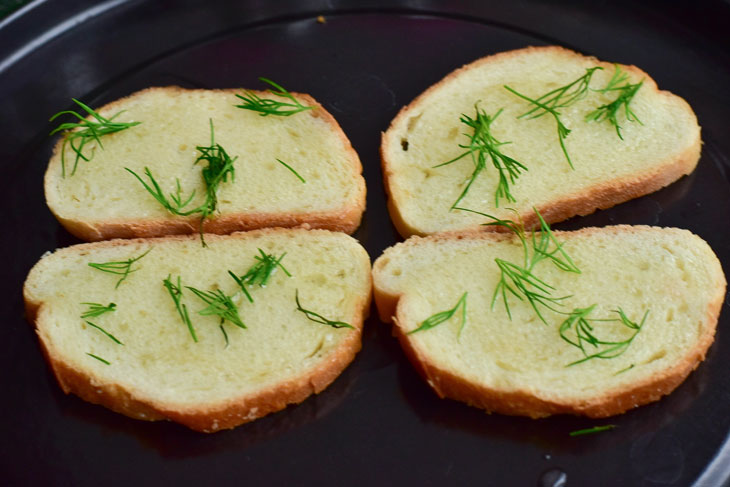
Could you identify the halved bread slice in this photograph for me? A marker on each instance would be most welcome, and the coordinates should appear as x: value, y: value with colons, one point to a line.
x: 102, y: 200
x: 667, y: 282
x: 208, y: 374
x: 659, y: 144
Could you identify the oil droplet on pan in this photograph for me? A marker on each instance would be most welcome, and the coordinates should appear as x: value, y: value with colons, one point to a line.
x: 553, y: 478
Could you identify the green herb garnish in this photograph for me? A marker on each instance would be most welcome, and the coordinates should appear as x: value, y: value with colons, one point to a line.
x: 219, y: 304
x: 262, y: 270
x: 176, y: 295
x: 96, y: 309
x: 483, y: 145
x: 112, y: 337
x: 178, y: 202
x: 225, y: 335
x: 318, y: 318
x: 98, y: 358
x: 520, y: 280
x: 556, y: 99
x: 122, y: 268
x: 292, y: 170
x: 626, y: 93
x: 584, y: 335
x: 80, y: 133
x: 442, y: 316
x: 595, y: 429
x: 267, y: 106
x: 220, y: 166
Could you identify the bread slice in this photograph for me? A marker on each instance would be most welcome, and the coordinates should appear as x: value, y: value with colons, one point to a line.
x: 663, y: 145
x: 102, y: 200
x: 223, y: 379
x: 522, y: 366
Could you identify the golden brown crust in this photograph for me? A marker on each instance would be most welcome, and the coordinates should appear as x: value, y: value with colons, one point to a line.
x: 206, y: 418
x: 213, y: 417
x: 600, y: 196
x: 447, y: 384
x: 345, y: 219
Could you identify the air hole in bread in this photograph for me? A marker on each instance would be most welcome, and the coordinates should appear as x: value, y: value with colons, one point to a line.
x: 658, y: 355
x: 506, y: 366
x: 670, y: 315
x: 404, y: 144
x: 453, y: 133
x: 413, y: 121
x: 397, y: 272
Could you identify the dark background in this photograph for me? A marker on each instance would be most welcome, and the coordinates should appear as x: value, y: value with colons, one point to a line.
x: 378, y: 424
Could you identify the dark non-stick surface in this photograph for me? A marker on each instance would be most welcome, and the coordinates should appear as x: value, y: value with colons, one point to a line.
x: 378, y: 424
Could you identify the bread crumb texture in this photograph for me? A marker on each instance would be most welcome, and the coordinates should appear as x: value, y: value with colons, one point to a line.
x: 659, y: 149
x: 174, y: 121
x: 281, y: 356
x: 521, y: 365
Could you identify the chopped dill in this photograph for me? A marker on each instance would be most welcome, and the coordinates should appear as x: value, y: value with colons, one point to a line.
x: 98, y: 358
x: 556, y: 99
x: 97, y: 309
x: 595, y: 429
x: 483, y: 145
x: 584, y: 334
x: 122, y: 268
x: 268, y: 106
x: 292, y: 170
x: 318, y: 318
x: 626, y: 92
x: 79, y: 134
x: 442, y: 316
x: 175, y: 291
x: 219, y: 304
x: 109, y: 335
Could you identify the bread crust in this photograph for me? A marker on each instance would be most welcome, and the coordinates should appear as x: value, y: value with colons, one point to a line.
x: 207, y: 417
x: 596, y: 197
x: 611, y: 402
x: 345, y: 219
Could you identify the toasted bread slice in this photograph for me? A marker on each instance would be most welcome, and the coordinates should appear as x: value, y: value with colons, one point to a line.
x: 659, y: 144
x: 206, y: 375
x: 102, y: 200
x: 667, y: 282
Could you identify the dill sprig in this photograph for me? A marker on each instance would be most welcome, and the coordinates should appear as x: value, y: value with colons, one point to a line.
x: 220, y: 166
x: 122, y: 268
x: 442, y: 316
x: 97, y: 309
x: 79, y: 134
x: 595, y: 429
x: 556, y: 99
x: 292, y: 170
x: 584, y: 335
x: 260, y: 272
x: 225, y: 335
x: 626, y: 92
x: 98, y: 358
x: 178, y: 202
x: 219, y: 304
x: 175, y: 291
x: 523, y: 284
x: 519, y: 280
x: 318, y: 318
x: 483, y: 145
x: 267, y: 106
x: 109, y: 335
